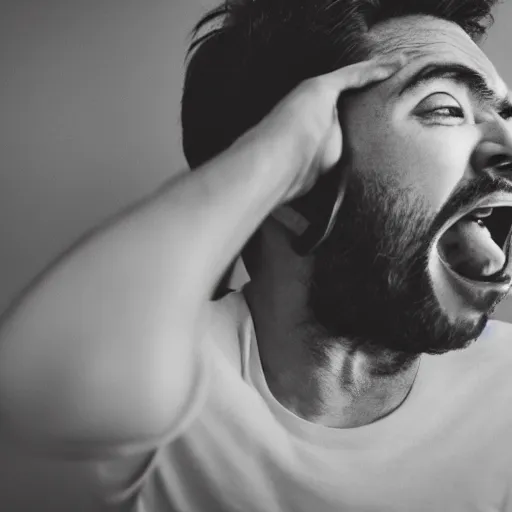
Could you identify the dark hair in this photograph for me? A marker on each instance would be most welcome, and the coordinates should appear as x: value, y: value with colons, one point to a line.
x: 263, y: 48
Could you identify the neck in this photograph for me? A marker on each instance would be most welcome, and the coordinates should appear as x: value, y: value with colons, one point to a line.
x: 327, y: 381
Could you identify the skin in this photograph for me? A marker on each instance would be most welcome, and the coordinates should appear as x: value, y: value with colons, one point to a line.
x: 339, y: 342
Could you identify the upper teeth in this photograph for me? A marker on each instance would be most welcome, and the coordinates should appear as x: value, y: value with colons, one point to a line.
x: 481, y: 213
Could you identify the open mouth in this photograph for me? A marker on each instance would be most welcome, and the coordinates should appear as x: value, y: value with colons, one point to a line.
x: 477, y: 245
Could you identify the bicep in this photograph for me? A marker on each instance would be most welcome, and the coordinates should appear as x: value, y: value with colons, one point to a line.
x: 86, y: 413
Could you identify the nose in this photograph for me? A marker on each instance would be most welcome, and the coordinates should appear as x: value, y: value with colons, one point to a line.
x: 494, y: 152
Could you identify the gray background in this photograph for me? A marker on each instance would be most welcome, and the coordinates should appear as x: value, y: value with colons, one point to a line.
x: 89, y: 102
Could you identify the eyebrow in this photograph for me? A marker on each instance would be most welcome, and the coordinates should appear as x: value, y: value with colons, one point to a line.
x: 464, y: 75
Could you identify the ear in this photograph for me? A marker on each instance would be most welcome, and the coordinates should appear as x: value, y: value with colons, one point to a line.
x: 291, y: 219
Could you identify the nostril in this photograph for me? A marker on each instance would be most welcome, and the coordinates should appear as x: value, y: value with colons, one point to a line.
x: 500, y: 162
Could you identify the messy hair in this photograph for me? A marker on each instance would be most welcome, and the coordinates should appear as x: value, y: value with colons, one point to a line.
x: 256, y: 51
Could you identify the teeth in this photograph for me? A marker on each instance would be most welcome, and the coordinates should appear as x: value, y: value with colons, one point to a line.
x: 481, y: 213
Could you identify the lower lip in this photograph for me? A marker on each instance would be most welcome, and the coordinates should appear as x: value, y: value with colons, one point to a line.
x: 481, y: 296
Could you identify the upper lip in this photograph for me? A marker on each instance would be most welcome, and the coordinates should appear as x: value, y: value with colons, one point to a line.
x: 495, y: 200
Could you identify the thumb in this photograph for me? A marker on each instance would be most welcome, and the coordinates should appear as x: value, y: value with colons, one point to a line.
x: 332, y: 148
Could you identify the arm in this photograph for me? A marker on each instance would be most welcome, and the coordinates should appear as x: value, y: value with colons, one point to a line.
x: 114, y: 325
x: 101, y: 350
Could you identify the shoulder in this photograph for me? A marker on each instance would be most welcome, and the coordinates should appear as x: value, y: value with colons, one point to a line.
x: 496, y: 341
x: 492, y: 350
x: 496, y: 350
x: 487, y: 363
x: 501, y: 330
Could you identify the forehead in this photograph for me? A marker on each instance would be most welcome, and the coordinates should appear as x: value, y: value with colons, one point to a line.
x: 428, y: 38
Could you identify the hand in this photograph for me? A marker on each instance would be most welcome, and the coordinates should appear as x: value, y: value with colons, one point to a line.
x: 306, y: 125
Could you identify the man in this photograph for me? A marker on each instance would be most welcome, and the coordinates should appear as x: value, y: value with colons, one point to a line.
x: 330, y: 378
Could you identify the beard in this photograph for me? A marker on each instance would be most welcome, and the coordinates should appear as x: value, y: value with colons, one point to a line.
x: 370, y: 288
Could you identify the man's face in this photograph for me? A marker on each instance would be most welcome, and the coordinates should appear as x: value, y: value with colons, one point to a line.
x: 418, y: 156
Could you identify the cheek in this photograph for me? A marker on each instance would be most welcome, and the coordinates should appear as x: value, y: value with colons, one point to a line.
x: 430, y: 160
x: 437, y: 159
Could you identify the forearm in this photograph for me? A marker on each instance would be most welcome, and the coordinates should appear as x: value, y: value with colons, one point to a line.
x: 124, y: 306
x: 231, y: 196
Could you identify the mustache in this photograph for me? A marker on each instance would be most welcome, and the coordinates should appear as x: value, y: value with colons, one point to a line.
x: 468, y: 194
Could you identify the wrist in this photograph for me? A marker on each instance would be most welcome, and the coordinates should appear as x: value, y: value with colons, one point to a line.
x: 282, y: 156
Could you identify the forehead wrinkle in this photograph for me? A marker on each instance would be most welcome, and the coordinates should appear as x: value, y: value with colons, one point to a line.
x: 404, y: 33
x: 419, y: 33
x: 444, y: 38
x: 393, y: 44
x: 418, y: 45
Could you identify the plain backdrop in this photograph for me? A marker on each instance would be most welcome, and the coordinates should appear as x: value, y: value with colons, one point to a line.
x: 89, y: 103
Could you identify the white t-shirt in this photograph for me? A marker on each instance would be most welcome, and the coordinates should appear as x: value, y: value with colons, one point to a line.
x: 448, y: 448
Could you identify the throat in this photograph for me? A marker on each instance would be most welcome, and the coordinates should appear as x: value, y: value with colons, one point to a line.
x: 359, y: 393
x: 346, y: 392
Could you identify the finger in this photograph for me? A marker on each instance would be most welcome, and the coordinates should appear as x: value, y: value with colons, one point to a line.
x: 364, y: 73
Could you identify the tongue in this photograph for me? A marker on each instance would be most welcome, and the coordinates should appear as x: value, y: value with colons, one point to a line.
x: 470, y: 250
